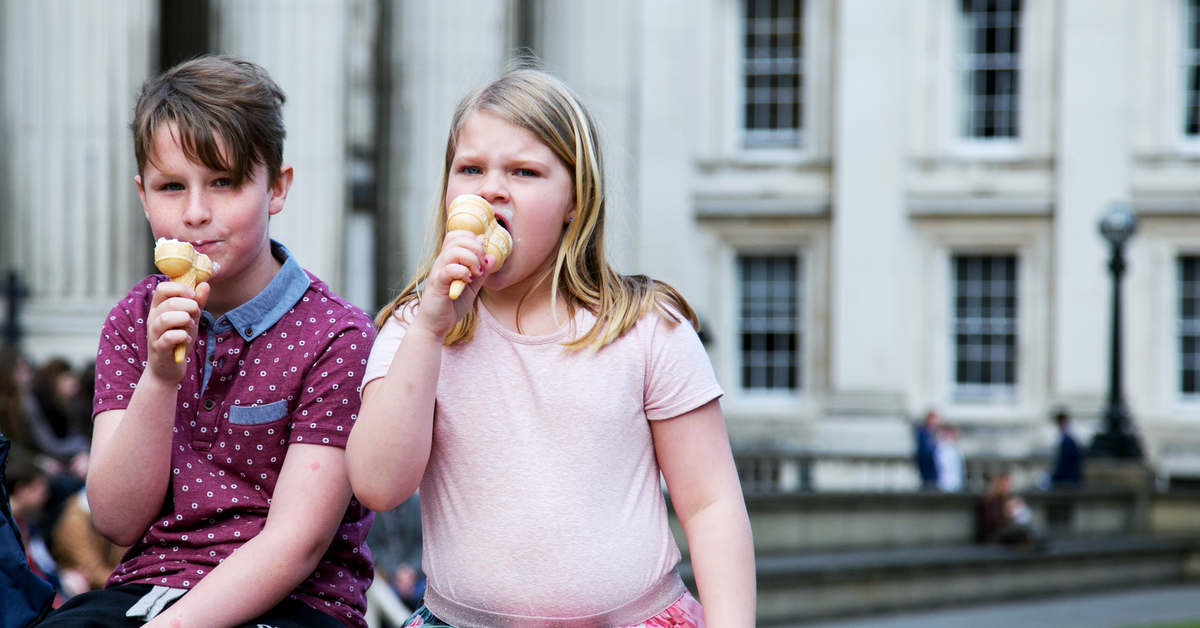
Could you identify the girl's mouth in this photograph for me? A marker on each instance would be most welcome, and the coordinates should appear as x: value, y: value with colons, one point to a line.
x: 503, y: 223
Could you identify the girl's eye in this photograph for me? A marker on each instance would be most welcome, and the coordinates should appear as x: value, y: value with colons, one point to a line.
x: 470, y: 170
x: 526, y: 172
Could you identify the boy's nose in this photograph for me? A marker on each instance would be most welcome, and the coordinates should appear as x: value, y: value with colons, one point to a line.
x: 197, y: 212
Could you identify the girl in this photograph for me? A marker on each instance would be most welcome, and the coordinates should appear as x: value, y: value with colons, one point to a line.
x: 537, y: 409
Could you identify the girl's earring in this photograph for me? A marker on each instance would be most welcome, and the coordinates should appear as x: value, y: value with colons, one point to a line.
x: 571, y: 219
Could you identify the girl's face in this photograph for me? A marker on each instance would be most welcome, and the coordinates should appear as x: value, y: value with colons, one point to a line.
x: 529, y: 188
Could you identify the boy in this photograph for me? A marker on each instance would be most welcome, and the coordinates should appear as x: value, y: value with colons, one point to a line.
x: 240, y: 447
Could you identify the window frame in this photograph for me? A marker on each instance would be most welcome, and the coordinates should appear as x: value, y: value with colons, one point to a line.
x: 744, y: 130
x: 798, y: 328
x: 988, y: 393
x: 1177, y: 114
x: 726, y: 238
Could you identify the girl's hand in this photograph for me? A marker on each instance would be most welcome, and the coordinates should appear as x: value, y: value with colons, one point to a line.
x: 462, y: 258
x: 174, y: 319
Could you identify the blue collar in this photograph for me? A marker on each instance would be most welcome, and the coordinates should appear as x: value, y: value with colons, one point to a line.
x: 258, y: 314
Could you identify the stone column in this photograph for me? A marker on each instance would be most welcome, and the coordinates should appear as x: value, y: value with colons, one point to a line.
x: 594, y: 47
x: 440, y: 50
x: 870, y: 230
x: 1093, y: 169
x: 73, y: 226
x: 302, y: 43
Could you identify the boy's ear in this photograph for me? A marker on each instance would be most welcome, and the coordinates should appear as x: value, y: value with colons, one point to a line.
x: 279, y: 189
x: 137, y: 179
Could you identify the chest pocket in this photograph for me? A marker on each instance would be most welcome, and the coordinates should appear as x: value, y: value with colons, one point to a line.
x: 257, y: 415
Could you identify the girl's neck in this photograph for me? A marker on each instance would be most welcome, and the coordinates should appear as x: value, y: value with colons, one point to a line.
x: 537, y: 318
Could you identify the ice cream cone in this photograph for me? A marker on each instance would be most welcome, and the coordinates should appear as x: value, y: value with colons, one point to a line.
x: 470, y: 213
x: 182, y: 264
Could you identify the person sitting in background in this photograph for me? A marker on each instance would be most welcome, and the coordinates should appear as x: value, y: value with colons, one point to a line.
x: 28, y: 490
x: 1002, y: 516
x: 76, y: 544
x: 48, y: 415
x: 949, y: 460
x: 1068, y: 467
x: 16, y: 377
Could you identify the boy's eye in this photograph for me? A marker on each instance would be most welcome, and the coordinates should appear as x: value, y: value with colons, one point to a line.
x: 172, y: 187
x: 223, y: 182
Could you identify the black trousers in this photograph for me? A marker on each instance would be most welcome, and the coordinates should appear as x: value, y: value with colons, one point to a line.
x: 106, y: 609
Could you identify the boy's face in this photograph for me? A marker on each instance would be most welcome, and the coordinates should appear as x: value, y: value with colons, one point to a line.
x: 187, y: 201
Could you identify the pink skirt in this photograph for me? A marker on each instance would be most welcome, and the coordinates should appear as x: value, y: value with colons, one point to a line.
x: 686, y: 612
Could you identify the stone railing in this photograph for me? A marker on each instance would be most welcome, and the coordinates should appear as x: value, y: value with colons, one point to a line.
x: 766, y: 471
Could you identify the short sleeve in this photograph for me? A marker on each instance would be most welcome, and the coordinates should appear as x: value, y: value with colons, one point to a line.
x: 122, y: 355
x: 679, y: 375
x: 329, y: 398
x: 386, y: 343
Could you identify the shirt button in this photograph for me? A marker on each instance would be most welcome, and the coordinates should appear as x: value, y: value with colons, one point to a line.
x: 249, y: 331
x: 209, y: 404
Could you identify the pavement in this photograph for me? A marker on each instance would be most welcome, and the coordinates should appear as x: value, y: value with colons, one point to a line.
x: 1114, y: 609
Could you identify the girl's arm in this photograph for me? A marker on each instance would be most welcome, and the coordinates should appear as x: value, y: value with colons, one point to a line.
x: 694, y: 456
x: 389, y: 446
x: 130, y: 467
x: 308, y: 504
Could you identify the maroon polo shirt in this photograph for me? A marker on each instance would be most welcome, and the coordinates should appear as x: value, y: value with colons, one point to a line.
x: 283, y: 368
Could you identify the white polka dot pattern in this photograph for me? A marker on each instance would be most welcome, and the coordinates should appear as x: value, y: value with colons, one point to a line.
x: 225, y: 462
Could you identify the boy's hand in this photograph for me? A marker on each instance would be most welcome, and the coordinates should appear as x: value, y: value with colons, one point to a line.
x: 462, y: 257
x: 173, y: 320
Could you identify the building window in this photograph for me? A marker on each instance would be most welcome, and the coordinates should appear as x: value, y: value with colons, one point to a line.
x: 1192, y: 66
x: 1189, y: 324
x: 770, y: 321
x: 772, y: 70
x: 985, y: 326
x: 991, y: 64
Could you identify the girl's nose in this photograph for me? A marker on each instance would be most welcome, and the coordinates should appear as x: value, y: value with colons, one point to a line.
x: 197, y: 213
x: 493, y: 188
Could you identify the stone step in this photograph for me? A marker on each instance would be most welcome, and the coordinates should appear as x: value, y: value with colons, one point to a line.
x: 810, y: 586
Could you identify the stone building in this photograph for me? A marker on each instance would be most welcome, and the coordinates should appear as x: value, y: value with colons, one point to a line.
x: 878, y: 207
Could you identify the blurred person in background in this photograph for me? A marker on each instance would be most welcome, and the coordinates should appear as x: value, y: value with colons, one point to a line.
x: 949, y: 460
x: 395, y: 542
x: 28, y: 490
x: 926, y: 436
x: 1004, y: 517
x: 76, y: 544
x: 1068, y: 467
x: 49, y: 412
x: 16, y: 378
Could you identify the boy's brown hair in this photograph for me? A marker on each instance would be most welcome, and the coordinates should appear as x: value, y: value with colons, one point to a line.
x: 209, y: 97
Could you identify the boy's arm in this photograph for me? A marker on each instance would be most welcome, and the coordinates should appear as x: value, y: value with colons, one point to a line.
x: 308, y: 504
x: 693, y: 454
x: 130, y: 468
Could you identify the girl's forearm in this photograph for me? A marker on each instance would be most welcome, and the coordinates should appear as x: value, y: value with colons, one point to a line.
x: 131, y: 462
x: 722, y: 554
x: 389, y: 446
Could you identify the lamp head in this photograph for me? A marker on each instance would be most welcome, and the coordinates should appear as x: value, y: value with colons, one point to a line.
x: 1119, y: 224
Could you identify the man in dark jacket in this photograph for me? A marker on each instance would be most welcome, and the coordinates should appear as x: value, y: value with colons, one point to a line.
x: 1068, y: 468
x: 926, y: 434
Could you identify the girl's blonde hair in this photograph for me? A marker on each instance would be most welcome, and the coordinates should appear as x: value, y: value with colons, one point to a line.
x: 581, y: 275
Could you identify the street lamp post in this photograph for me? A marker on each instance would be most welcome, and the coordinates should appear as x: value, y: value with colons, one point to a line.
x: 1118, y: 439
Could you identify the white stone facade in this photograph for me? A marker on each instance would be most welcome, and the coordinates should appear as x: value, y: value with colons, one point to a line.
x: 881, y: 193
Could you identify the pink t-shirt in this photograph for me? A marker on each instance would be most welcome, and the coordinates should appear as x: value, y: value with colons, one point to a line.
x: 541, y: 498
